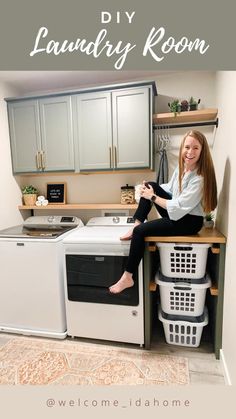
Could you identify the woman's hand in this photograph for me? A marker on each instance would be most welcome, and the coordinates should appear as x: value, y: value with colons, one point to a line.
x: 146, y: 190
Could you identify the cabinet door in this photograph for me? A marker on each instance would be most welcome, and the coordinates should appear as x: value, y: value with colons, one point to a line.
x: 24, y: 135
x: 131, y: 128
x: 93, y: 131
x: 57, y: 136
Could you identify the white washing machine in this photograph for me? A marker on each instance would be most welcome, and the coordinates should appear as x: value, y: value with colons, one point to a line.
x: 95, y: 258
x: 32, y: 300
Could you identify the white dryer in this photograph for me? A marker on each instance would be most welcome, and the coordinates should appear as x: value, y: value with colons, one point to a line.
x: 95, y: 258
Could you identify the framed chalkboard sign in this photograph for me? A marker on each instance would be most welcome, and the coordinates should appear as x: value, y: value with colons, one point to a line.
x: 56, y: 193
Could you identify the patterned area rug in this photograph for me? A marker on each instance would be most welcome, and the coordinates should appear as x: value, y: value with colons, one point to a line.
x: 38, y: 361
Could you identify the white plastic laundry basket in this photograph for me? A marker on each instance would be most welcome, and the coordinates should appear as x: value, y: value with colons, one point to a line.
x: 184, y: 296
x: 182, y: 332
x: 183, y: 260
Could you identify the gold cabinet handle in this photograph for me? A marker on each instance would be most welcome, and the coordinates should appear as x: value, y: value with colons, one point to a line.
x: 38, y: 165
x: 43, y: 164
x: 110, y: 156
x: 115, y: 154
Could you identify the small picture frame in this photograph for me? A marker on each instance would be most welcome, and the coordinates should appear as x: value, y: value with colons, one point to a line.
x: 56, y: 193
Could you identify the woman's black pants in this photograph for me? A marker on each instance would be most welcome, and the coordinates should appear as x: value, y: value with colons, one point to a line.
x: 187, y: 225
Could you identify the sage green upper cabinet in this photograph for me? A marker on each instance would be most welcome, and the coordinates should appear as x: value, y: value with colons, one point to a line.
x: 56, y: 133
x: 113, y: 129
x: 41, y: 134
x: 24, y: 135
x: 131, y: 128
x: 93, y: 131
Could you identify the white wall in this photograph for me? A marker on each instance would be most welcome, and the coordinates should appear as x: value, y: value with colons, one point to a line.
x: 176, y: 85
x: 224, y: 154
x: 10, y: 192
x: 183, y: 85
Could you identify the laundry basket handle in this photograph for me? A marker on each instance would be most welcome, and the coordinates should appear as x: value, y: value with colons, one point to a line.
x: 184, y: 248
x: 182, y: 287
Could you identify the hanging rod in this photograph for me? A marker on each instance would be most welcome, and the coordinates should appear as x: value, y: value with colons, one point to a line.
x: 189, y: 124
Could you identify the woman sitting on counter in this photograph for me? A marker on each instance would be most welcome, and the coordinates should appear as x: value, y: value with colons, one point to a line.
x: 181, y: 203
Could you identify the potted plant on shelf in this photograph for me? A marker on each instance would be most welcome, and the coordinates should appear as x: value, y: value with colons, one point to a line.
x: 184, y: 105
x: 209, y: 220
x: 193, y: 104
x: 175, y: 106
x: 29, y: 195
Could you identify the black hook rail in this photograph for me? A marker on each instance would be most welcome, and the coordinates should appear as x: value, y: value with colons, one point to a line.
x: 189, y: 124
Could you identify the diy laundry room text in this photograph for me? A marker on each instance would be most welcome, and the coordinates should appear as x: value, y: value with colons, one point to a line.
x: 157, y: 45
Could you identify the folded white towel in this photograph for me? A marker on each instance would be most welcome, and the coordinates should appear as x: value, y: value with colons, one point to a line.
x: 38, y: 203
x: 45, y: 202
x: 41, y: 198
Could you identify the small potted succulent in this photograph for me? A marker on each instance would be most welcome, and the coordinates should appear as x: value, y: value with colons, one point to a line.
x: 184, y: 105
x: 193, y: 104
x: 29, y: 194
x: 175, y: 106
x: 209, y: 220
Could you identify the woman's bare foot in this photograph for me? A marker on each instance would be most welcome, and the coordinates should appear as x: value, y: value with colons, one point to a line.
x: 129, y: 234
x: 126, y: 281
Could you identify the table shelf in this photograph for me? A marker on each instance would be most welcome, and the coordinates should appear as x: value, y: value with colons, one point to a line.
x: 91, y: 206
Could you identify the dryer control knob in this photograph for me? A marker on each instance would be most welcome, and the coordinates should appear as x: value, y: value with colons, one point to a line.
x: 116, y: 220
x: 51, y: 218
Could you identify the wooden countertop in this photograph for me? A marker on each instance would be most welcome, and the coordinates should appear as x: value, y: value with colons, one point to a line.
x: 78, y: 206
x: 205, y: 235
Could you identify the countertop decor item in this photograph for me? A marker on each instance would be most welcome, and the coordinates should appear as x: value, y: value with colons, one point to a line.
x: 193, y: 104
x: 175, y: 106
x: 184, y: 105
x: 41, y: 201
x: 209, y: 220
x: 56, y: 193
x: 127, y: 194
x: 29, y: 194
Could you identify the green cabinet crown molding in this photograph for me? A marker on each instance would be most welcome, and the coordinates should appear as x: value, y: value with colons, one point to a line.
x: 81, y: 90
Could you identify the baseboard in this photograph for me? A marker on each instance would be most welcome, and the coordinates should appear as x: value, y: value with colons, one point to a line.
x: 225, y: 368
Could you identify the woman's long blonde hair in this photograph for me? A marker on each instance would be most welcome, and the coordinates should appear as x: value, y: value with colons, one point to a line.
x: 205, y: 168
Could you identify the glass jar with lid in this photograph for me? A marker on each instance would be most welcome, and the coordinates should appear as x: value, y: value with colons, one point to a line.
x: 127, y: 195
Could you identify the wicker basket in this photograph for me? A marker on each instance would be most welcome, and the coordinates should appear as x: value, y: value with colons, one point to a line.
x: 29, y: 199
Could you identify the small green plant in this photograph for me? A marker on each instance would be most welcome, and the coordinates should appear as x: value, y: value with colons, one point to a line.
x: 193, y: 104
x: 30, y: 189
x: 175, y: 106
x: 209, y: 216
x: 209, y: 220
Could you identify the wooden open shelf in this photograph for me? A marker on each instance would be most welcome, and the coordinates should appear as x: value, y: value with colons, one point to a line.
x: 189, y: 116
x: 78, y: 207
